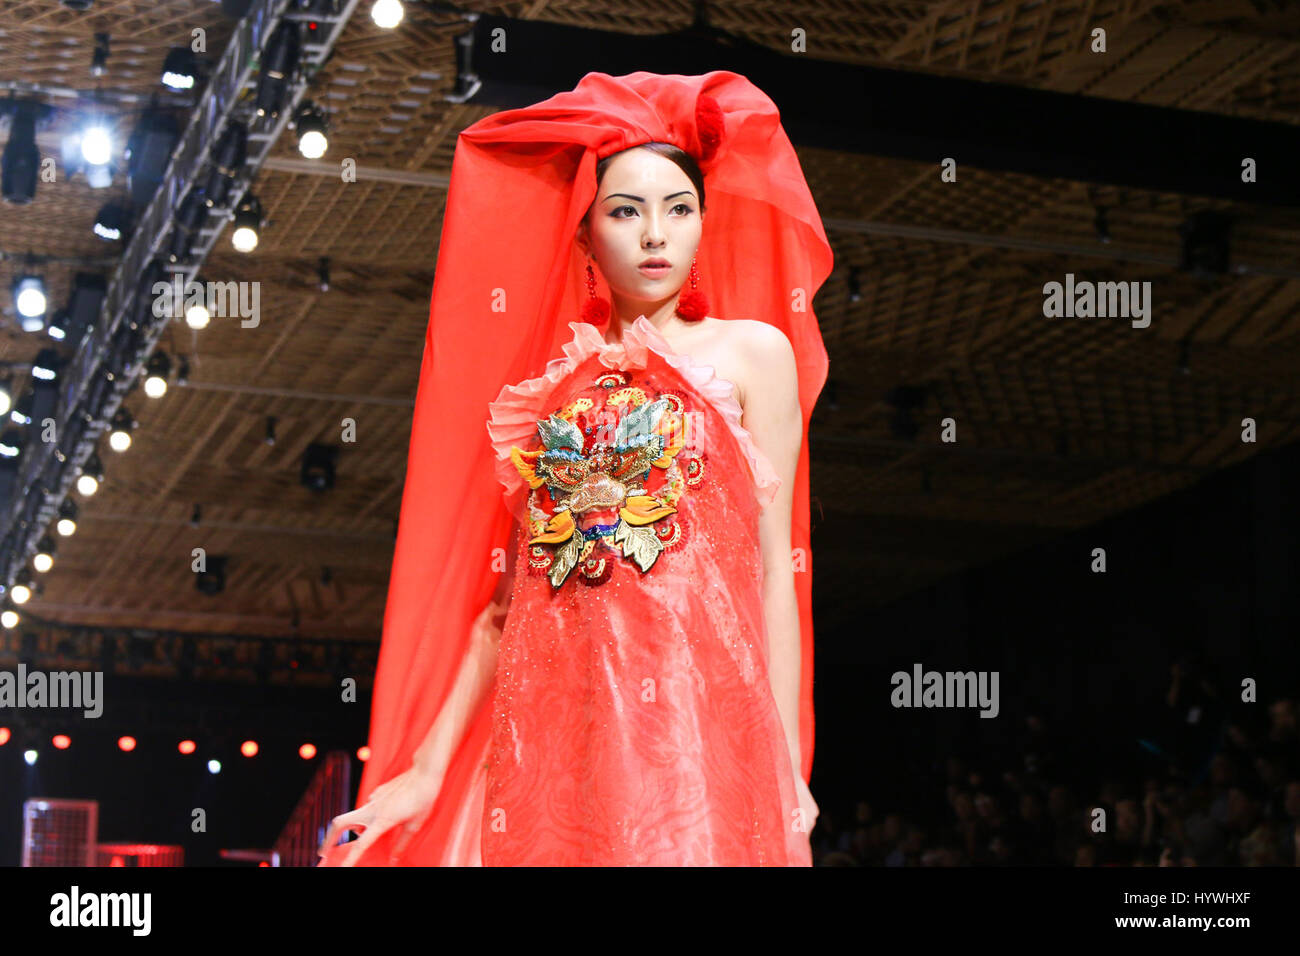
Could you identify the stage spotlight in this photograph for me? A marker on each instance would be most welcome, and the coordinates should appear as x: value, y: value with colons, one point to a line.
x: 214, y: 766
x: 29, y: 300
x: 6, y: 399
x: 148, y: 151
x: 61, y: 741
x: 22, y: 410
x: 9, y: 618
x: 213, y: 579
x: 468, y: 83
x: 111, y: 221
x: 43, y: 560
x: 21, y: 592
x: 126, y: 744
x: 30, y: 757
x: 88, y: 292
x: 20, y: 164
x: 180, y: 69
x: 186, y: 746
x: 96, y: 143
x: 197, y: 316
x: 4, y: 736
x: 11, y: 443
x: 317, y: 471
x: 156, y: 370
x: 67, y: 523
x: 58, y: 328
x: 363, y: 754
x: 119, y: 439
x: 248, y: 225
x: 46, y: 365
x: 311, y: 126
x: 92, y: 474
x: 387, y: 13
x: 307, y: 751
x: 232, y: 151
x: 99, y: 59
x: 278, y: 63
x: 248, y: 748
x: 190, y: 217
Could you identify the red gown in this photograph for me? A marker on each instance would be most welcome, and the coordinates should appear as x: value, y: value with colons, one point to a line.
x: 633, y: 721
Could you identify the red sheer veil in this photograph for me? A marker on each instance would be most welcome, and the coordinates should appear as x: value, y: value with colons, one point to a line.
x: 509, y: 278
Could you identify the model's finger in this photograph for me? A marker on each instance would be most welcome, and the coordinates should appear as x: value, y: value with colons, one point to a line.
x: 344, y: 821
x: 371, y: 834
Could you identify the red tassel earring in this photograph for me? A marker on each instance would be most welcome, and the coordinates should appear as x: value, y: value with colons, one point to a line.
x: 693, y: 305
x: 596, y: 309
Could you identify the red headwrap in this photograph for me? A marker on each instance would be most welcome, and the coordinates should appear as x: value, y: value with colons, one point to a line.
x: 509, y: 278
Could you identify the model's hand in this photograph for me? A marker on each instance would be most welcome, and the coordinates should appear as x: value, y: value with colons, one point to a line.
x: 806, y: 803
x: 405, y: 800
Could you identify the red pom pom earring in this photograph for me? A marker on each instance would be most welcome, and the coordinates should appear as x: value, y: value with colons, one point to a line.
x: 692, y: 304
x: 595, y: 310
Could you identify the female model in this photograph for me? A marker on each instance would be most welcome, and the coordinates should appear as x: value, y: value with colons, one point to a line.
x: 635, y: 686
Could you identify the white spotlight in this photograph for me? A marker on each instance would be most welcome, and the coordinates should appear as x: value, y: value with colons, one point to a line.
x: 244, y: 239
x: 387, y: 13
x: 313, y: 144
x: 96, y: 146
x: 197, y: 316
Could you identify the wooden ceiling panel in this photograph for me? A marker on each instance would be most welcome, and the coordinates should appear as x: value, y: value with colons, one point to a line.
x: 937, y: 286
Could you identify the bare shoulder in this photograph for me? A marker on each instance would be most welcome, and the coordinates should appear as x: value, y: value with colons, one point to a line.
x: 755, y: 352
x: 765, y: 340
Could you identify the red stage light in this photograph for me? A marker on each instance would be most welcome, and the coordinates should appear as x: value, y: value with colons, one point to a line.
x: 363, y: 754
x: 186, y: 746
x: 307, y: 751
x: 62, y: 741
x: 126, y: 743
x: 4, y: 736
x: 248, y: 748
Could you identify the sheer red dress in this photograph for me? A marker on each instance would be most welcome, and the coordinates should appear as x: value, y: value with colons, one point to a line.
x: 633, y: 721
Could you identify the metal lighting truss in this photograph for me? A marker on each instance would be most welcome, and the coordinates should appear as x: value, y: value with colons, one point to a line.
x: 114, y: 350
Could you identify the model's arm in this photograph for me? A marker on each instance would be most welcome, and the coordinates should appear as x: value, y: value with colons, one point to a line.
x: 477, y: 671
x: 772, y: 416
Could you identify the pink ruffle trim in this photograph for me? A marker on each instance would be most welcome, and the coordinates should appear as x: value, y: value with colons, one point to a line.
x: 512, y: 418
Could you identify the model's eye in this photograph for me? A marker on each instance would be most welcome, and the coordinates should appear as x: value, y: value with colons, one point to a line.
x: 616, y: 212
x: 682, y: 205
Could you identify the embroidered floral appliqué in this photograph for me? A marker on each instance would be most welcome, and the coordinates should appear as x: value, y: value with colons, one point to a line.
x: 606, y: 479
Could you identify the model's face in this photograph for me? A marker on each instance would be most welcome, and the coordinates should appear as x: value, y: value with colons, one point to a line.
x: 645, y: 208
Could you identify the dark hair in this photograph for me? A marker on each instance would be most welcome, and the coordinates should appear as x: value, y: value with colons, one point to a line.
x: 679, y: 156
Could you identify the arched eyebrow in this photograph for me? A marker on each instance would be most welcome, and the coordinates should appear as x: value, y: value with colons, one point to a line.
x: 684, y: 192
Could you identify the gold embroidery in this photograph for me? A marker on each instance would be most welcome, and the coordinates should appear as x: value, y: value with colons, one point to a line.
x: 606, y: 477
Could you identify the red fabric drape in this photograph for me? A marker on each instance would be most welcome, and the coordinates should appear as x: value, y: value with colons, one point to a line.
x: 509, y: 277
